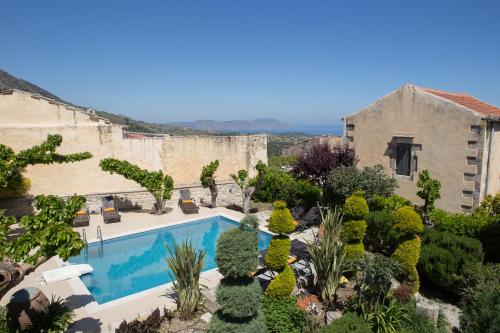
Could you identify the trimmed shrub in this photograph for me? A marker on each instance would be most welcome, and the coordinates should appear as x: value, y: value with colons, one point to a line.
x: 348, y: 323
x: 282, y: 315
x: 308, y: 194
x: 221, y: 324
x: 282, y: 285
x: 353, y: 251
x: 237, y: 294
x: 281, y: 220
x: 380, y: 236
x: 445, y: 258
x: 388, y: 204
x: 354, y: 230
x: 355, y: 207
x: 237, y: 253
x: 277, y: 253
x: 408, y: 221
x: 407, y: 255
x: 239, y: 298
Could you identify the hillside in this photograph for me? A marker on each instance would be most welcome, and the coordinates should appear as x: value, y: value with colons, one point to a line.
x: 263, y: 124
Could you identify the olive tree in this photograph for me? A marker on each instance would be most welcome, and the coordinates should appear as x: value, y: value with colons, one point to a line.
x: 12, y: 164
x: 243, y: 181
x: 46, y: 234
x: 157, y: 183
x: 207, y: 179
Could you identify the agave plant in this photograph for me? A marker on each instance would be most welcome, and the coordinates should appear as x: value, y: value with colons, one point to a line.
x: 327, y: 255
x: 186, y: 264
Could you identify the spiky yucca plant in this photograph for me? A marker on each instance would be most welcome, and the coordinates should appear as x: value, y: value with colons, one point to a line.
x: 186, y: 264
x: 327, y: 256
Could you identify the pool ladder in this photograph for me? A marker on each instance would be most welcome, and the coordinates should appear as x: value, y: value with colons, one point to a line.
x: 99, y: 236
x: 84, y: 236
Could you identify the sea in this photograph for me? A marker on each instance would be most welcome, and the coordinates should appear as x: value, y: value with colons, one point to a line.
x: 302, y: 129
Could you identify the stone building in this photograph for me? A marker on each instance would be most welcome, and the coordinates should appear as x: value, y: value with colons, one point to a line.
x: 453, y: 135
x: 26, y: 120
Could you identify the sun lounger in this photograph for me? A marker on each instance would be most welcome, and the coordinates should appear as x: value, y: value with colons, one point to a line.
x: 187, y: 203
x: 109, y: 210
x: 66, y: 272
x: 311, y: 218
x: 82, y: 218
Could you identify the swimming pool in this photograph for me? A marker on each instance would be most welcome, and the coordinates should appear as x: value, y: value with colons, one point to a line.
x: 130, y: 264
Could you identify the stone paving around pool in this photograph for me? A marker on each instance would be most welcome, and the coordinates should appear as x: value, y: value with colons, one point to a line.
x: 90, y: 317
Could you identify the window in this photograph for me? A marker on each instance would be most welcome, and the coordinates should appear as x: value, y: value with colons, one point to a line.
x: 403, y: 159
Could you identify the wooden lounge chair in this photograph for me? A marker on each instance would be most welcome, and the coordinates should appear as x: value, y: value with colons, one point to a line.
x: 82, y: 218
x: 187, y: 203
x: 311, y: 218
x: 109, y: 210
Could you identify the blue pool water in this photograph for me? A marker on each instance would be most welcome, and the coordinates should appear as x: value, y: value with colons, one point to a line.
x: 130, y: 264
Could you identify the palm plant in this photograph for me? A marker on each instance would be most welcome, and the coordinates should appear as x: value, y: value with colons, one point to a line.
x: 327, y: 255
x: 186, y: 264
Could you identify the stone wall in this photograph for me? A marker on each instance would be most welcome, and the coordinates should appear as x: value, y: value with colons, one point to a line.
x: 229, y: 193
x: 27, y: 119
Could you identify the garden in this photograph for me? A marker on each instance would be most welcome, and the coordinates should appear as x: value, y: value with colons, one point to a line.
x: 376, y: 261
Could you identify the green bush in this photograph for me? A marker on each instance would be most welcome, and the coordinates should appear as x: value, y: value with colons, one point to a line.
x: 348, y: 323
x: 353, y: 251
x: 272, y: 186
x: 282, y: 315
x: 407, y: 255
x: 277, y: 253
x: 480, y: 313
x: 222, y: 324
x: 354, y: 231
x: 344, y: 181
x: 388, y: 204
x: 380, y: 236
x: 490, y: 239
x: 282, y: 285
x: 445, y: 257
x: 355, y: 207
x: 461, y: 224
x: 239, y: 299
x: 3, y: 320
x: 237, y: 253
x: 491, y: 204
x: 408, y: 221
x: 308, y: 194
x: 281, y: 220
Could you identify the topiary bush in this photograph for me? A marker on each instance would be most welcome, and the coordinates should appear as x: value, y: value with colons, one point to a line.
x: 406, y: 220
x: 380, y: 234
x: 348, y: 323
x: 277, y: 254
x: 237, y: 253
x: 239, y: 298
x: 237, y: 294
x: 282, y: 285
x: 282, y: 315
x: 354, y: 228
x: 445, y: 258
x: 281, y: 220
x: 355, y: 207
x: 407, y: 255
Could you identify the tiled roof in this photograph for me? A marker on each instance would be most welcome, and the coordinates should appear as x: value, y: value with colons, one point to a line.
x: 468, y: 101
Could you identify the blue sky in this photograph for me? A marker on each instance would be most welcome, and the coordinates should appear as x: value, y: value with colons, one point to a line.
x: 303, y: 62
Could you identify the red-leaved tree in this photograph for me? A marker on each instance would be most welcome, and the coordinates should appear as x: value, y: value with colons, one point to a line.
x: 316, y: 162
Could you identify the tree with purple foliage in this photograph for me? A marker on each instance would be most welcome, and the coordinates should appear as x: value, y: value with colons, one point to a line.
x: 316, y: 163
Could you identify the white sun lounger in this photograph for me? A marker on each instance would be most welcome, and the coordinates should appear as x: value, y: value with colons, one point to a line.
x: 66, y: 272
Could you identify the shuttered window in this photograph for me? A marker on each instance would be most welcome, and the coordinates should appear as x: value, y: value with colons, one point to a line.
x: 403, y: 159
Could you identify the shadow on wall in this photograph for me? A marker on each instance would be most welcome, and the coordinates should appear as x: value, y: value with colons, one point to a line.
x: 18, y: 207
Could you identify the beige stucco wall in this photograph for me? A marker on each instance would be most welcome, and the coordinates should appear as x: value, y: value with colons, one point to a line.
x: 442, y: 128
x: 25, y: 121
